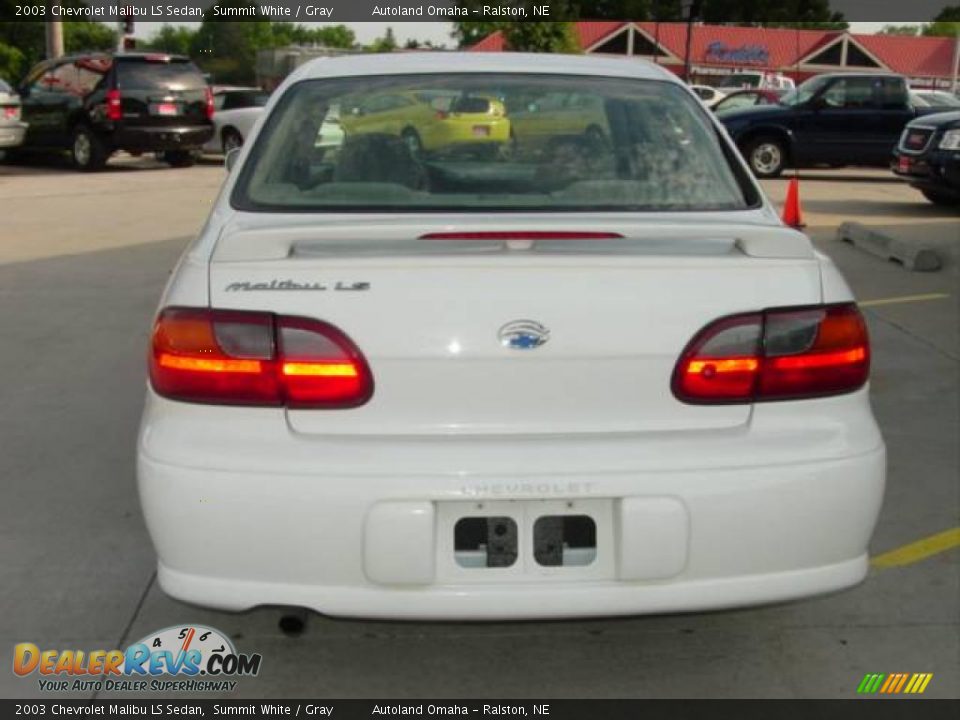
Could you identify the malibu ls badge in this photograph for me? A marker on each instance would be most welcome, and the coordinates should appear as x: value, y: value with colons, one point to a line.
x: 247, y: 286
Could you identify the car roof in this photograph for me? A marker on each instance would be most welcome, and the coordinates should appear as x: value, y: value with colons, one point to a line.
x: 859, y: 75
x: 452, y: 62
x: 74, y: 57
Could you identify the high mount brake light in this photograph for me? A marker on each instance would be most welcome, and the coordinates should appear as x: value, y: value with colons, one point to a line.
x: 779, y: 354
x: 523, y: 235
x: 114, y: 105
x: 228, y: 357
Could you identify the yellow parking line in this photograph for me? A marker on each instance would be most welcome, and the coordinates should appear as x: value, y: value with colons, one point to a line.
x: 919, y: 550
x: 904, y: 299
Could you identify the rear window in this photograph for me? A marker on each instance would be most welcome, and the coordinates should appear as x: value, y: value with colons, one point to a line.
x: 238, y: 99
x: 137, y: 74
x: 506, y: 142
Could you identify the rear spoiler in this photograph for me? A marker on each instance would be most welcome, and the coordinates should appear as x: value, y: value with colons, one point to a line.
x: 418, y: 238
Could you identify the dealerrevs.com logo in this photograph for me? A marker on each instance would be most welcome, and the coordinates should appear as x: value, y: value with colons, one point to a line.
x: 187, y: 658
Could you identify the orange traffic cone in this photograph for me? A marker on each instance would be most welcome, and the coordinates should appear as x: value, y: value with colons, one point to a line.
x: 792, y: 214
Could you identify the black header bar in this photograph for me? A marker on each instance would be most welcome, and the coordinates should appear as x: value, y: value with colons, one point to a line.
x: 396, y: 11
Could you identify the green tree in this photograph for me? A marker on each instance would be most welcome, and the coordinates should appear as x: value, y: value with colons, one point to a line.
x: 227, y: 49
x: 11, y: 63
x: 946, y: 24
x: 83, y: 35
x: 335, y: 36
x: 28, y: 38
x: 940, y: 28
x: 548, y: 37
x: 170, y: 39
x: 470, y: 32
x: 387, y: 43
x: 900, y: 30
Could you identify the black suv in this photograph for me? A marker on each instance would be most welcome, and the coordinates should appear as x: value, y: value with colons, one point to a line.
x: 96, y: 103
x: 928, y: 157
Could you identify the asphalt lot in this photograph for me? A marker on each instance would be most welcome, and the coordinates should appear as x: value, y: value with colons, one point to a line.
x: 83, y: 259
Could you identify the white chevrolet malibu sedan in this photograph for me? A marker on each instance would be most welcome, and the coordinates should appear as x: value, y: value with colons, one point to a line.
x: 527, y: 341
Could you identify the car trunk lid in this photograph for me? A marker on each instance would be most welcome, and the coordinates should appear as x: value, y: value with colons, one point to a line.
x: 430, y: 315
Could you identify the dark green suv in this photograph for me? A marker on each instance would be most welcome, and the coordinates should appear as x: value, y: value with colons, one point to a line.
x: 97, y: 103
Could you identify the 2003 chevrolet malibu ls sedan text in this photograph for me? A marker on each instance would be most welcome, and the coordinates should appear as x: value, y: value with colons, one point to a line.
x: 585, y: 374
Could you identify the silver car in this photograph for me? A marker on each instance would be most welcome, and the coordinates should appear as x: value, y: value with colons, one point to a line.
x: 12, y: 129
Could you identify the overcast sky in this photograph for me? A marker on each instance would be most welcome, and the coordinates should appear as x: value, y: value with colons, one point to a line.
x: 437, y: 32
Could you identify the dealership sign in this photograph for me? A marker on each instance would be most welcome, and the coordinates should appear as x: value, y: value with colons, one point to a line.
x: 742, y: 55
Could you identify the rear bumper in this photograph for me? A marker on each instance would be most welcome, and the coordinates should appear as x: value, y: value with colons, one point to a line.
x: 12, y: 135
x: 937, y: 170
x: 152, y: 139
x: 678, y: 528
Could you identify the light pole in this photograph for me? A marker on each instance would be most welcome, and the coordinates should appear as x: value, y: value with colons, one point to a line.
x: 956, y: 59
x: 692, y: 10
x: 54, y: 36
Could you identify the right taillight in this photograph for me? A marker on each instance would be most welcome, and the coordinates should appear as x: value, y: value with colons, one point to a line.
x: 209, y: 107
x: 779, y: 354
x: 114, y: 105
x: 229, y: 357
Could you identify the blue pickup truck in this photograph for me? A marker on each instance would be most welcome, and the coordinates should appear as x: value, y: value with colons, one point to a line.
x: 833, y: 120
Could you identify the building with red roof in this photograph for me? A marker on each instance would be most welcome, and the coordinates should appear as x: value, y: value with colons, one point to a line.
x: 718, y: 50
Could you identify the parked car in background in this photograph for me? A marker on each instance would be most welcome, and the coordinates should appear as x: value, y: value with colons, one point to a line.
x: 928, y: 157
x: 601, y: 379
x: 432, y: 122
x: 832, y: 119
x: 708, y: 94
x: 756, y: 80
x: 236, y: 109
x: 541, y: 119
x: 95, y: 104
x: 12, y: 128
x: 747, y: 98
x: 934, y: 98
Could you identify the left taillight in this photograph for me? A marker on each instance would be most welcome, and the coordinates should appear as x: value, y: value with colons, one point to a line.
x: 210, y: 105
x: 228, y: 357
x: 777, y: 354
x: 114, y: 105
x: 11, y: 112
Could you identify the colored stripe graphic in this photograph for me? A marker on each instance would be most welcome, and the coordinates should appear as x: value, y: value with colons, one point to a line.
x: 891, y: 681
x: 870, y: 683
x: 894, y: 683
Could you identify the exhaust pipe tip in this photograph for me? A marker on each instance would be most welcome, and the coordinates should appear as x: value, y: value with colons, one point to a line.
x: 293, y: 623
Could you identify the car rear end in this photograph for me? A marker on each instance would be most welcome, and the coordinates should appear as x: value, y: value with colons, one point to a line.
x: 158, y: 102
x: 12, y: 128
x: 505, y: 389
x: 470, y: 121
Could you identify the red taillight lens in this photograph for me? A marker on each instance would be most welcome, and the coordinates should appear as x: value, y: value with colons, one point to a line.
x: 320, y: 366
x: 114, y: 105
x: 245, y: 358
x: 210, y: 106
x: 11, y: 112
x: 786, y: 354
x: 808, y: 353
